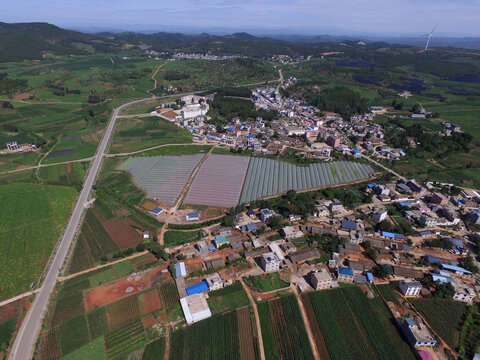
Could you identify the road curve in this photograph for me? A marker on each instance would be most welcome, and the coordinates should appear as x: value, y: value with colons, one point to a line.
x: 27, y: 335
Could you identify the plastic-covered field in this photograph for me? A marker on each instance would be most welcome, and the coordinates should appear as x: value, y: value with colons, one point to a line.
x: 162, y: 177
x: 268, y: 177
x: 218, y: 181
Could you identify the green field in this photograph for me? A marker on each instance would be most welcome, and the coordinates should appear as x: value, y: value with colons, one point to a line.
x: 173, y: 237
x: 31, y: 220
x: 125, y: 339
x: 227, y: 299
x: 94, y: 350
x: 212, y: 338
x: 154, y: 350
x: 121, y: 185
x: 66, y: 173
x: 345, y: 314
x: 133, y: 134
x: 283, y: 330
x: 444, y: 316
x: 265, y: 283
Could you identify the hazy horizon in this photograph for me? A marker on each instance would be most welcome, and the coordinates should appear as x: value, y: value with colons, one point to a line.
x: 456, y: 18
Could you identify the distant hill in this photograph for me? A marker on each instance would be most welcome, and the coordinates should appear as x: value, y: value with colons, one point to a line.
x: 28, y: 41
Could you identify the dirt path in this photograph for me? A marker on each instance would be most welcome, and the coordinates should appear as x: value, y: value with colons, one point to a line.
x: 384, y: 167
x: 63, y: 278
x: 257, y: 319
x: 155, y: 147
x: 311, y: 338
x: 18, y: 297
x: 45, y: 165
x: 166, y: 354
x: 155, y: 80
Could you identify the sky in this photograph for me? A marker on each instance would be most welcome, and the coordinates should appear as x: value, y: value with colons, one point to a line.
x: 313, y: 17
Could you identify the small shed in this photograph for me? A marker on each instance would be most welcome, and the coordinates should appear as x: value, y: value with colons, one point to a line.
x: 180, y: 269
x: 197, y: 288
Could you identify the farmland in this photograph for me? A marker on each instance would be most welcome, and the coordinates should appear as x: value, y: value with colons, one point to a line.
x: 31, y: 219
x: 283, y: 330
x: 72, y: 173
x: 227, y: 173
x: 444, y: 317
x: 227, y: 299
x: 213, y: 338
x: 168, y: 294
x: 265, y: 283
x: 173, y: 237
x: 133, y: 134
x: 120, y: 184
x: 162, y: 177
x: 346, y: 313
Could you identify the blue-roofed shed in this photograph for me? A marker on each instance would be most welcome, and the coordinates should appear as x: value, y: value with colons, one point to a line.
x: 211, y: 247
x: 237, y: 245
x: 344, y: 270
x: 349, y: 225
x: 455, y: 242
x: 249, y: 227
x: 457, y: 269
x: 404, y: 203
x: 371, y: 186
x: 180, y: 269
x: 410, y: 322
x: 156, y: 211
x: 425, y: 233
x: 197, y: 288
x: 441, y: 278
x: 369, y: 277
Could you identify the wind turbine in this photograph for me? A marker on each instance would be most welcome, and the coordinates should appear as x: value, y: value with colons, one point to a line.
x: 429, y: 37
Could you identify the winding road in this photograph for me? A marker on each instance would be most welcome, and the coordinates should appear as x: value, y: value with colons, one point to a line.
x: 27, y: 335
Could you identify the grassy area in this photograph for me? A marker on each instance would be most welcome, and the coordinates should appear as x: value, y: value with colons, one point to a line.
x: 265, y: 283
x: 31, y: 220
x: 72, y: 173
x: 173, y: 237
x: 228, y: 298
x: 133, y: 134
x: 94, y: 350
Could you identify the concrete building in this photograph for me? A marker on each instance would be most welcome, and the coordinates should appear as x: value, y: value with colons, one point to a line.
x: 265, y: 214
x: 379, y: 214
x: 427, y: 221
x: 418, y: 335
x: 214, y: 281
x: 439, y: 199
x: 345, y: 274
x: 195, y: 308
x: 289, y: 232
x: 191, y: 111
x: 12, y: 146
x: 270, y: 262
x: 333, y: 141
x: 192, y: 216
x: 410, y: 287
x: 320, y: 279
x: 463, y: 291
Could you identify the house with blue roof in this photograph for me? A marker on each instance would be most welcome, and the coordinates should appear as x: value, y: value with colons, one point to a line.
x: 192, y: 216
x: 457, y: 269
x: 349, y: 225
x: 455, y: 242
x: 345, y: 274
x: 156, y: 211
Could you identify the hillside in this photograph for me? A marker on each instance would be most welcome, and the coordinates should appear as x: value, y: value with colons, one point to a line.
x: 29, y: 41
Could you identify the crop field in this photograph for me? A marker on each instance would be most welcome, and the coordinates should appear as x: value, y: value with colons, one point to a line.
x: 268, y: 177
x: 125, y: 339
x: 150, y: 301
x: 229, y: 298
x: 49, y: 347
x: 283, y: 330
x: 97, y: 322
x: 123, y: 311
x: 173, y: 237
x: 123, y: 233
x: 265, y: 282
x: 315, y: 327
x: 94, y: 350
x: 133, y: 134
x: 154, y: 350
x: 212, y: 338
x: 93, y: 243
x: 162, y: 177
x: 73, y: 334
x: 121, y: 184
x: 70, y: 173
x: 31, y: 219
x: 168, y: 294
x: 227, y: 173
x: 245, y: 332
x: 346, y: 313
x: 443, y: 316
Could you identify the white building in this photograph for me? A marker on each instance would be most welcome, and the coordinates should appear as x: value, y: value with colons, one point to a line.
x: 410, y: 287
x: 191, y: 111
x: 270, y: 262
x: 195, y: 308
x: 265, y: 214
x: 320, y: 279
x: 289, y: 233
x: 214, y: 281
x: 380, y: 215
x: 463, y: 291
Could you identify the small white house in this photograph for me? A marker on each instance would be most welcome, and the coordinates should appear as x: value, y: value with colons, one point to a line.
x: 410, y: 287
x: 270, y: 262
x: 192, y: 216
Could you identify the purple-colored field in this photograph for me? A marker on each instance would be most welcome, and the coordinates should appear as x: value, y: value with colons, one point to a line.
x: 219, y: 181
x: 62, y: 152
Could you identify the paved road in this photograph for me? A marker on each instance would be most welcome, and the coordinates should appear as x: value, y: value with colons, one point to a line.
x: 24, y: 343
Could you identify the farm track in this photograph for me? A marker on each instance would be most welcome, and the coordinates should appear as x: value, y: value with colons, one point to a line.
x: 257, y: 319
x: 306, y: 321
x: 45, y: 165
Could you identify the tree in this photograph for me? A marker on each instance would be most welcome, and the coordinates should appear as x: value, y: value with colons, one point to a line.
x: 443, y: 291
x: 469, y: 264
x: 227, y: 220
x: 381, y: 271
x: 275, y: 222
